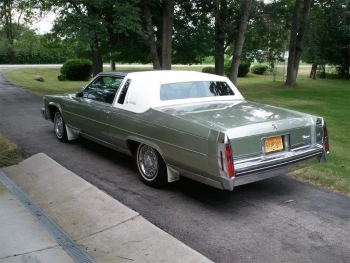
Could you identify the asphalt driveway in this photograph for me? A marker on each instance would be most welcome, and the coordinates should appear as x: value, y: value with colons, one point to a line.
x: 255, y: 223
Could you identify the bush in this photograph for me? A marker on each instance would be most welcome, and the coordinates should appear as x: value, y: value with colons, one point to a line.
x: 209, y: 70
x: 259, y: 69
x: 242, y: 70
x: 61, y: 77
x: 77, y: 69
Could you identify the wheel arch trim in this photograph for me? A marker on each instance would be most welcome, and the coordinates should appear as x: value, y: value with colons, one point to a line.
x: 52, y: 113
x: 143, y: 141
x: 172, y: 174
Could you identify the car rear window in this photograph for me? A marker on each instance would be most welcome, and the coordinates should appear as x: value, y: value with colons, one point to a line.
x: 194, y: 89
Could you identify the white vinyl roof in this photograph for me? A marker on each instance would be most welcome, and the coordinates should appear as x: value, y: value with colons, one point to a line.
x: 144, y: 89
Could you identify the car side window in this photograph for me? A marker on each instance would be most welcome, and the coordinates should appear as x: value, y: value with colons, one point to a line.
x: 122, y: 95
x: 103, y: 89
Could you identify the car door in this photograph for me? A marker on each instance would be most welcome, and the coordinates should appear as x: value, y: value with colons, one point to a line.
x: 120, y: 120
x: 90, y: 113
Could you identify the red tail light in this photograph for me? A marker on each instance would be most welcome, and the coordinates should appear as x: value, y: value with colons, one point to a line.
x: 325, y: 139
x: 229, y: 161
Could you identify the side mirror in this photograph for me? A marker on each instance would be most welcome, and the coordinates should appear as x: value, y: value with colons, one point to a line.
x: 79, y: 94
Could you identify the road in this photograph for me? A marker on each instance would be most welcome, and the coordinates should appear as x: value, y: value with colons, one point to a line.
x: 254, y: 223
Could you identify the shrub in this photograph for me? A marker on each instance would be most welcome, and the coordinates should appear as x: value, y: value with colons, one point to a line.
x: 259, y: 69
x: 61, y: 77
x: 209, y: 70
x: 242, y: 70
x: 77, y: 69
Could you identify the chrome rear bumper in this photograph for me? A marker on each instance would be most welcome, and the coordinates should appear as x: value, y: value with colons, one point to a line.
x: 271, y: 168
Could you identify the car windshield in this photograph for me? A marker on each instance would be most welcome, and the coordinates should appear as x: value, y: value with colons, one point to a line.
x: 194, y: 89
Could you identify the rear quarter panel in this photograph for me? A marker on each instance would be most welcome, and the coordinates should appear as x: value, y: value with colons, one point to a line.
x: 181, y: 143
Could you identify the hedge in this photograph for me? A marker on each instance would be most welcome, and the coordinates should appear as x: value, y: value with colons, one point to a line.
x: 77, y: 69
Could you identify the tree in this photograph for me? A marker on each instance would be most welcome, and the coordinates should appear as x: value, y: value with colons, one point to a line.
x: 167, y: 32
x: 160, y: 31
x: 95, y: 24
x: 268, y: 31
x: 328, y: 37
x: 193, y: 32
x: 14, y: 14
x: 221, y: 31
x: 299, y: 22
x: 239, y: 42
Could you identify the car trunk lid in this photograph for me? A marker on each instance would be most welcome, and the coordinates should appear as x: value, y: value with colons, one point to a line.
x: 247, y: 124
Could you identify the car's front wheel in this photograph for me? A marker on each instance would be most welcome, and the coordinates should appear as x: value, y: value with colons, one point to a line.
x: 60, y: 127
x: 151, y: 166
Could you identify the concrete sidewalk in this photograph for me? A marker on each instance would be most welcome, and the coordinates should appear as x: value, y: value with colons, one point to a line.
x: 100, y: 226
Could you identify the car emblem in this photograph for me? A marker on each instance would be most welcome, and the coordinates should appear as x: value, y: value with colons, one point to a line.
x: 274, y: 125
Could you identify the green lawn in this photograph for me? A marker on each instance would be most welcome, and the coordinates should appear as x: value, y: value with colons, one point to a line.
x: 329, y: 98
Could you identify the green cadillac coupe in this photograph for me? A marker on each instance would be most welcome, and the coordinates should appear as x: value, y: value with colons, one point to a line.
x: 190, y: 124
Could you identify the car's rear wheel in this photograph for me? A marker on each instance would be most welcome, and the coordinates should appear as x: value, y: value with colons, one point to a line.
x: 151, y: 166
x: 60, y: 127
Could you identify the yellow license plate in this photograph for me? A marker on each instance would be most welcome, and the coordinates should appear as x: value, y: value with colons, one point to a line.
x: 273, y: 144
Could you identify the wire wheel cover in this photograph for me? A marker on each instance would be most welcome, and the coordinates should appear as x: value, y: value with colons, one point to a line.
x: 148, y: 161
x: 59, y: 129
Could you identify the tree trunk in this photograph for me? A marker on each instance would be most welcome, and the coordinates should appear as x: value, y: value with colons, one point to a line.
x: 313, y: 70
x: 240, y: 41
x: 220, y: 24
x: 11, y: 55
x: 112, y: 64
x: 97, y: 62
x: 296, y: 40
x: 301, y: 34
x: 167, y: 32
x: 151, y: 36
x: 291, y: 74
x: 7, y: 13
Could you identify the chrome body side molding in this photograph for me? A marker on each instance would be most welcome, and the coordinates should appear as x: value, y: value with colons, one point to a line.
x: 109, y: 145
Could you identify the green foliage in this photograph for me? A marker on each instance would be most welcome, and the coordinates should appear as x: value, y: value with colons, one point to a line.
x: 16, y: 15
x: 33, y: 58
x: 259, y: 69
x: 268, y: 31
x: 193, y: 38
x: 328, y: 36
x: 61, y: 77
x: 209, y: 60
x: 210, y: 70
x: 77, y: 69
x: 30, y: 48
x: 103, y: 26
x: 243, y: 69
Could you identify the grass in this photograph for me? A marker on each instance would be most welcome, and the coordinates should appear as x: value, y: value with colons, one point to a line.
x: 25, y: 78
x: 329, y: 98
x: 10, y: 153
